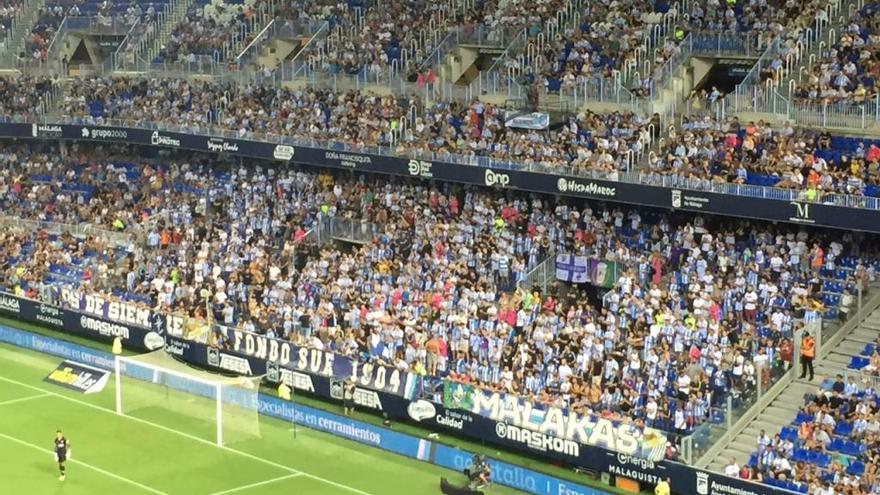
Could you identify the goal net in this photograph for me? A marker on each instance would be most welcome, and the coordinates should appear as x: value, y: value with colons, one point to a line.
x: 157, y: 388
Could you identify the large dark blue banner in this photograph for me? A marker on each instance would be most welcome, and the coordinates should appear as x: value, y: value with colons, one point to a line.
x: 93, y: 326
x: 798, y: 212
x: 314, y: 362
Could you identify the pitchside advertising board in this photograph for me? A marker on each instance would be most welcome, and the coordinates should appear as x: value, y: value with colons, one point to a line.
x: 104, y: 321
x: 79, y: 377
x: 512, y: 433
x: 509, y: 176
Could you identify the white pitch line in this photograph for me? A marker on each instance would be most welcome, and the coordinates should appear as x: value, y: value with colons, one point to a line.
x: 187, y: 435
x: 23, y: 399
x: 259, y: 483
x: 86, y: 465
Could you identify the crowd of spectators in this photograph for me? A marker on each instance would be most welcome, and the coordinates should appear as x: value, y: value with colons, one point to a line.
x: 848, y: 69
x: 368, y: 38
x: 770, y: 17
x: 703, y: 150
x: 104, y: 13
x: 756, y: 153
x: 830, y: 447
x: 607, y: 36
x: 9, y: 9
x: 23, y: 96
x: 379, y: 38
x: 588, y: 141
x: 206, y: 29
x: 697, y: 313
x: 48, y: 19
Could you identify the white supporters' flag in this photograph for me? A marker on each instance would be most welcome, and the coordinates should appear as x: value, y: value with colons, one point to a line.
x: 572, y: 268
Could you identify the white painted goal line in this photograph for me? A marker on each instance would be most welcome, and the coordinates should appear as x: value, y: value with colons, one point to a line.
x: 259, y: 483
x: 23, y: 399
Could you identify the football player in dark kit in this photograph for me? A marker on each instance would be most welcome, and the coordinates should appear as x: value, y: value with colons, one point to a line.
x: 62, y: 452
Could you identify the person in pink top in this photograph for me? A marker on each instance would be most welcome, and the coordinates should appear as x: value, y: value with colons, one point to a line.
x: 657, y: 265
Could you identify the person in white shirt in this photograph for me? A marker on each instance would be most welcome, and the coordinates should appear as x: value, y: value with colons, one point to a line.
x: 651, y: 412
x: 763, y: 441
x: 732, y: 469
x: 680, y: 421
x: 750, y: 306
x: 781, y: 466
x: 684, y: 386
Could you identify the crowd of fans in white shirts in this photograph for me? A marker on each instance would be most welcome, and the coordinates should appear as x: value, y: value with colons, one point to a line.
x: 698, y: 313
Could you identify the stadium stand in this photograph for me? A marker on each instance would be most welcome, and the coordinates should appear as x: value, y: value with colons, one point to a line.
x: 447, y: 308
x: 704, y: 150
x: 847, y: 70
x: 806, y: 160
x: 207, y: 30
x: 8, y: 11
x: 432, y: 278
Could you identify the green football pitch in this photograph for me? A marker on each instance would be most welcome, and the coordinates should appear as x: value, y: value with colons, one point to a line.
x: 142, y: 455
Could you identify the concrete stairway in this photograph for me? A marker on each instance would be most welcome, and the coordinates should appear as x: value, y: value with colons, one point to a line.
x: 176, y: 14
x: 21, y: 29
x: 782, y: 410
x: 838, y: 359
x: 828, y: 37
x: 779, y: 413
x: 459, y: 61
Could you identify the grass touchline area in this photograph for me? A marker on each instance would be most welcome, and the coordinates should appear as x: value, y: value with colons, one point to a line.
x: 184, y: 434
x: 84, y: 464
x: 155, y: 446
x: 536, y: 464
x: 258, y: 483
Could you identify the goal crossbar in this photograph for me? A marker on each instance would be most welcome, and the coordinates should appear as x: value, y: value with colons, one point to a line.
x: 234, y: 399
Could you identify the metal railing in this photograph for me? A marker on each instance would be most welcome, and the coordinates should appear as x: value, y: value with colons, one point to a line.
x: 542, y: 274
x: 663, y: 74
x: 713, y: 43
x: 302, y: 62
x: 277, y: 29
x: 727, y: 420
x: 613, y: 90
x: 839, y: 114
x: 80, y: 231
x: 634, y: 177
x: 501, y: 74
x: 98, y: 25
x: 350, y: 230
x: 708, y: 440
x: 440, y: 51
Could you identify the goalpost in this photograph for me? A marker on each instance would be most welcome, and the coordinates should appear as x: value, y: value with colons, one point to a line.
x: 158, y: 388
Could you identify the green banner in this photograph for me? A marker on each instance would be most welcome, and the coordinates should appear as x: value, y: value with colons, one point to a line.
x: 458, y: 396
x: 603, y: 273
